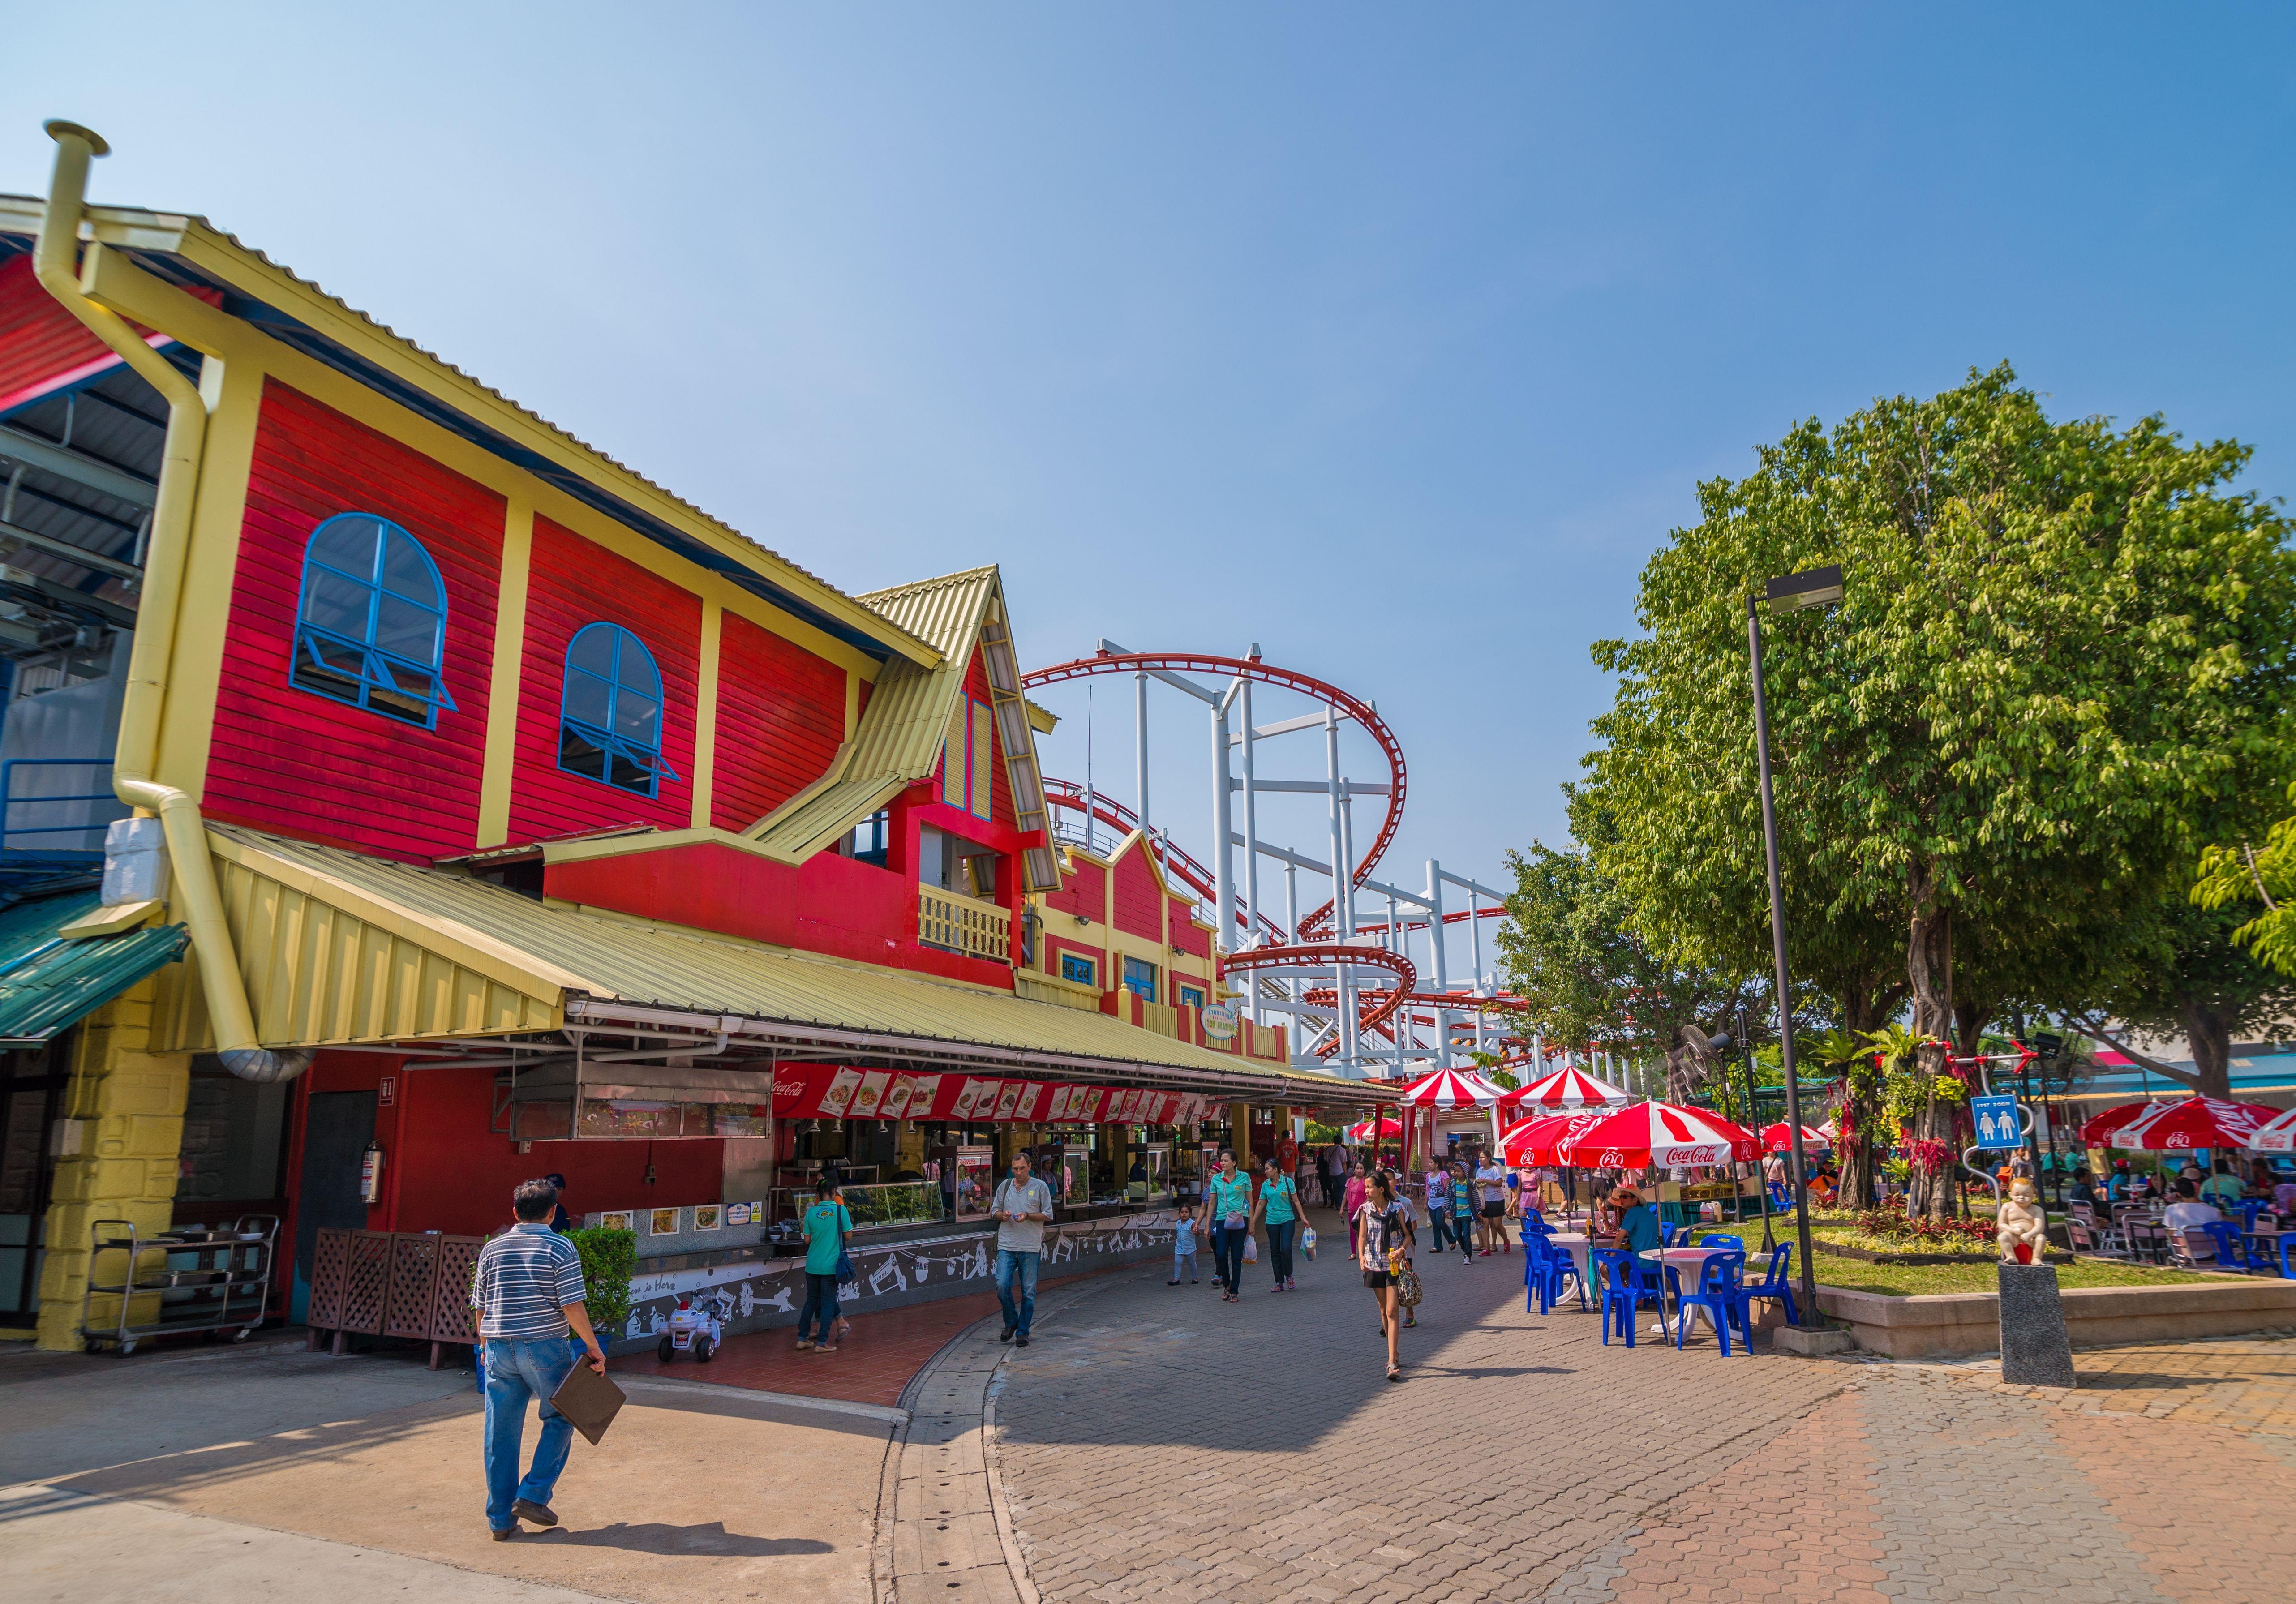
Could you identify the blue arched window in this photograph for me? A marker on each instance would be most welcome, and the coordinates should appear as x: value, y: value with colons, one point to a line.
x: 371, y: 628
x: 610, y: 727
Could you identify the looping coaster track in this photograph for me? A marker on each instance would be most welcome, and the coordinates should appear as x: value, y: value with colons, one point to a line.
x: 1388, y: 1011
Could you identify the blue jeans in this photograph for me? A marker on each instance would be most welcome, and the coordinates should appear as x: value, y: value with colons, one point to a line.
x: 820, y: 1300
x: 516, y: 1370
x: 1439, y: 1223
x: 1279, y: 1247
x: 1020, y: 1266
x: 1184, y: 1263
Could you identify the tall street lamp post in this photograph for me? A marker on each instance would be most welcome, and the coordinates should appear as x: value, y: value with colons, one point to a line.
x: 1820, y: 587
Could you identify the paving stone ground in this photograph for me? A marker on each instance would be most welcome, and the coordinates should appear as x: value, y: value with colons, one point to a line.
x: 1156, y: 1443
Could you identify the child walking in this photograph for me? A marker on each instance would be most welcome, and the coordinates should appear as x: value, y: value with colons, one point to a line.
x: 1183, y: 1246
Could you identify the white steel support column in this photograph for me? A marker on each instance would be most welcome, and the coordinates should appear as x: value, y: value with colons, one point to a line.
x: 1442, y: 974
x: 1222, y: 829
x: 1291, y: 989
x: 1251, y: 829
x: 1344, y: 915
x: 1140, y: 738
x: 1344, y: 1018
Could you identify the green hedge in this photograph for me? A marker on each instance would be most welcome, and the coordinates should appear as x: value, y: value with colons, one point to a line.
x: 609, y: 1259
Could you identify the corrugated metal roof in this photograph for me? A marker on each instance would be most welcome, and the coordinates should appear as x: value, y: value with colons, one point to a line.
x: 47, y: 983
x: 899, y: 739
x: 535, y: 948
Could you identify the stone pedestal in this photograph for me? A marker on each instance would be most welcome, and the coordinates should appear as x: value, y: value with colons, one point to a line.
x: 2034, y: 1351
x: 1812, y: 1342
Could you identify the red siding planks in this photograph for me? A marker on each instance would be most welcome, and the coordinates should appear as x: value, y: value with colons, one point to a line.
x: 41, y: 344
x: 1186, y: 936
x: 1137, y: 895
x: 1083, y: 890
x: 574, y: 583
x: 780, y: 714
x: 287, y: 760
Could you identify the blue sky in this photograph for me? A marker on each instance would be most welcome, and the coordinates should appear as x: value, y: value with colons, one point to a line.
x: 1392, y: 340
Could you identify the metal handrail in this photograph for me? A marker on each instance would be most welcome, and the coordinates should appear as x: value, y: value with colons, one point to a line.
x: 9, y: 800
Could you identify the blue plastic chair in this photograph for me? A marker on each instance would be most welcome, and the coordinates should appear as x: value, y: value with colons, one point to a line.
x: 1717, y: 1294
x: 1668, y: 1232
x: 2232, y: 1254
x: 1718, y: 1239
x: 2287, y: 1243
x: 2250, y: 1208
x: 1778, y: 1203
x: 1532, y: 1218
x: 1546, y: 1269
x: 1628, y: 1283
x: 1777, y: 1287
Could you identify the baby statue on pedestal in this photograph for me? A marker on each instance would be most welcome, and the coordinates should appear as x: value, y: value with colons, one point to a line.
x: 2021, y: 1219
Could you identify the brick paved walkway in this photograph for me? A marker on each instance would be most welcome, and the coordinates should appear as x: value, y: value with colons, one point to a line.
x: 1158, y: 1444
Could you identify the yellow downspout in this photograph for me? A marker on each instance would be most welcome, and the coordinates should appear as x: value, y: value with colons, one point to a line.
x: 56, y: 262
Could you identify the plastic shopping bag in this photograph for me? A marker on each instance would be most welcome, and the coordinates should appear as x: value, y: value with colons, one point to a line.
x: 1250, y: 1250
x: 1308, y: 1241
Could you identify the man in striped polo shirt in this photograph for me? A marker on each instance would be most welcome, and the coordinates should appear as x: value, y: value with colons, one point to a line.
x: 527, y: 1292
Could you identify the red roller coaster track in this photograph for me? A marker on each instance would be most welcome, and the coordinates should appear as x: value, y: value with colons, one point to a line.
x: 1317, y: 922
x: 1323, y: 955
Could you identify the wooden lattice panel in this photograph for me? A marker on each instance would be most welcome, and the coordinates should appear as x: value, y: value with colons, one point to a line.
x: 407, y: 1296
x: 329, y: 1263
x: 364, y: 1281
x: 450, y: 1298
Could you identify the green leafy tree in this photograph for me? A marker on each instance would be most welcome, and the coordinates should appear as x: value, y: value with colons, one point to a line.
x: 2244, y: 877
x: 2191, y: 978
x: 2062, y: 664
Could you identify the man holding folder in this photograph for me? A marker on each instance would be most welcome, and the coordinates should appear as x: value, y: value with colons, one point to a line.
x: 526, y: 1293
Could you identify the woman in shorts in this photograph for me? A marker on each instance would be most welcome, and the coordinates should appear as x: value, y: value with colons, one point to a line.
x: 1379, y: 1230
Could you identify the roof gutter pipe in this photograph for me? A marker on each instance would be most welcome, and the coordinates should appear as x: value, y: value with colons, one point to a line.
x: 55, y: 263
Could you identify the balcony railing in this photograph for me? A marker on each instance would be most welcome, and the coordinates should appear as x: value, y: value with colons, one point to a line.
x: 963, y: 924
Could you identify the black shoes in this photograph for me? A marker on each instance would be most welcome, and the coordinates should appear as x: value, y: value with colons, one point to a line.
x: 1007, y: 1336
x: 1021, y: 1341
x: 541, y: 1515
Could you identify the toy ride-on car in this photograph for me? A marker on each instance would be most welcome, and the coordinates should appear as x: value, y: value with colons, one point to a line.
x: 693, y: 1329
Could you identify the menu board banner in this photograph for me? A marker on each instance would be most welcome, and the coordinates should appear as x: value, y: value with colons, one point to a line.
x: 845, y: 1092
x: 869, y: 1098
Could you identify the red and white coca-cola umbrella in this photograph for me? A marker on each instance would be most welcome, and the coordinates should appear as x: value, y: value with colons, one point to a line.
x: 1779, y: 1138
x: 1565, y: 1090
x: 1450, y: 1089
x: 1379, y: 1130
x: 2276, y: 1134
x: 1532, y: 1142
x: 1657, y: 1134
x: 2187, y: 1123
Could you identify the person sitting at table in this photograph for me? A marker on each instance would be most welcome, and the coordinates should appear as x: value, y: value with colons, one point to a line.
x: 2188, y: 1213
x: 2259, y: 1178
x: 2085, y: 1189
x: 2222, y: 1188
x: 1637, y: 1221
x: 1821, y: 1189
x: 2116, y: 1185
x: 2284, y: 1198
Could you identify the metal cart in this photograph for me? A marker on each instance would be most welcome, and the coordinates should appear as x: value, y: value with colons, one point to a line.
x: 208, y: 1280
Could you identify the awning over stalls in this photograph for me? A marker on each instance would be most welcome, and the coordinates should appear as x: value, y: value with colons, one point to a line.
x: 341, y: 949
x: 49, y: 982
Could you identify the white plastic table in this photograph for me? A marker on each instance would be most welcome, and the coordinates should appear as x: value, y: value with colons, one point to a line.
x: 1688, y: 1264
x: 1573, y: 1242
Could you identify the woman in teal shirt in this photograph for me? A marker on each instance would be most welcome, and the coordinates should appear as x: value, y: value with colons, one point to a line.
x: 1228, y: 1204
x: 826, y: 1226
x: 1279, y: 1206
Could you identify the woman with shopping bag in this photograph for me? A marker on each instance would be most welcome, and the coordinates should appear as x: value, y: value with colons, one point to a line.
x: 1279, y: 1207
x: 1228, y: 1202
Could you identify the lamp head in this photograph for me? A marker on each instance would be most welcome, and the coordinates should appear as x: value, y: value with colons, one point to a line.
x: 1819, y: 587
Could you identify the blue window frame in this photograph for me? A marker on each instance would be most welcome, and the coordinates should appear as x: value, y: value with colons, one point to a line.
x: 610, y: 724
x: 1140, y: 978
x: 1082, y: 970
x: 1191, y: 997
x: 371, y: 624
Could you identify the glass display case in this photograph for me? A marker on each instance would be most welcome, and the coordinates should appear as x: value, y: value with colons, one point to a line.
x: 1072, y: 1175
x: 1152, y: 1178
x: 880, y: 1208
x: 976, y: 1181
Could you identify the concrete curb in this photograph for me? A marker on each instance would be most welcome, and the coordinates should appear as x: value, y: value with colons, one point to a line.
x: 944, y: 1524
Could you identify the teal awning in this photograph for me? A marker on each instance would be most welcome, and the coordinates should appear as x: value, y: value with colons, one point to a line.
x: 47, y: 983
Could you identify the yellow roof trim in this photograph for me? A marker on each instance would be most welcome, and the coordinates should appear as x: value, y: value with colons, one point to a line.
x: 225, y: 257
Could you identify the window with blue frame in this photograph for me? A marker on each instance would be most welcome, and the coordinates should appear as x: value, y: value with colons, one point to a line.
x: 1191, y: 997
x: 371, y: 626
x: 1082, y: 970
x: 1140, y: 978
x: 610, y: 725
